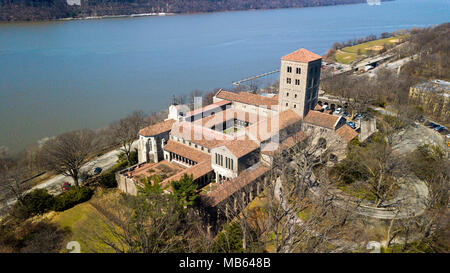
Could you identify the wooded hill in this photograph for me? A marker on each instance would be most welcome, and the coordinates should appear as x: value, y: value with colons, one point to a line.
x: 34, y: 10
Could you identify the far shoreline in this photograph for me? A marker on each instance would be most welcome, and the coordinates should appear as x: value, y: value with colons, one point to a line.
x: 112, y: 16
x: 171, y: 13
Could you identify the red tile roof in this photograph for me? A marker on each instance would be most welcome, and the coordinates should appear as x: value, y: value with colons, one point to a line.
x: 322, y: 119
x: 302, y: 55
x: 197, y: 171
x: 227, y: 189
x: 212, y: 106
x: 157, y: 128
x: 247, y: 98
x: 239, y: 148
x: 186, y: 151
x: 346, y: 133
x: 199, y: 135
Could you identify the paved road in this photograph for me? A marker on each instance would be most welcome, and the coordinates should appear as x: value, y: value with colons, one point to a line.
x: 294, y: 219
x: 54, y: 184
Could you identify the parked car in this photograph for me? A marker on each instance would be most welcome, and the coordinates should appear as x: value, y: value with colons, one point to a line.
x: 351, y: 124
x: 84, y: 177
x: 97, y: 170
x: 439, y: 128
x: 66, y: 186
x: 338, y: 111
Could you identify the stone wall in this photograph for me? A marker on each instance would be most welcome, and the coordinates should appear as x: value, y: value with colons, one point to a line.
x: 125, y: 184
x: 368, y: 127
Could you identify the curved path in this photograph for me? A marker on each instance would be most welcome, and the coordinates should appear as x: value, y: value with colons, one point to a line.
x: 344, y: 245
x: 414, y: 196
x: 53, y: 185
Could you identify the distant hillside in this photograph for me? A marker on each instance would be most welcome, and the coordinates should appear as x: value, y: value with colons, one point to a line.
x: 33, y: 10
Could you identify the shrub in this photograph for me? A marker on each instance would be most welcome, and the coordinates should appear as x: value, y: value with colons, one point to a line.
x: 108, y: 178
x: 355, y: 143
x: 229, y: 240
x: 32, y: 237
x: 72, y: 197
x: 133, y: 157
x: 36, y: 202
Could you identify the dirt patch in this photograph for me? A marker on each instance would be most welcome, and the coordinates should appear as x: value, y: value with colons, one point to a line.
x: 394, y: 40
x: 375, y: 48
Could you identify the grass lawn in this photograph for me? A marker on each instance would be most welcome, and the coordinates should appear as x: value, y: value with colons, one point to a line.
x: 346, y: 57
x: 350, y: 54
x: 231, y: 130
x: 85, y: 222
x: 359, y: 193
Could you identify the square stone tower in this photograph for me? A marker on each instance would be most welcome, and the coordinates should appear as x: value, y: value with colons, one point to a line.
x: 299, y: 81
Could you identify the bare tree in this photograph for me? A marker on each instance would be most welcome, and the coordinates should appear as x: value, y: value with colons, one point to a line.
x: 322, y: 222
x: 208, y: 97
x: 384, y: 170
x: 179, y: 99
x: 67, y: 153
x: 126, y: 130
x: 277, y: 224
x: 13, y: 174
x: 427, y: 232
x: 151, y: 222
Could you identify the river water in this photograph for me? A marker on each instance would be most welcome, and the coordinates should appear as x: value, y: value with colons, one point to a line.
x: 63, y: 75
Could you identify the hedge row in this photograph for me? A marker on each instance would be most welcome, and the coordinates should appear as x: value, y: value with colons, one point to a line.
x: 71, y: 198
x: 40, y: 201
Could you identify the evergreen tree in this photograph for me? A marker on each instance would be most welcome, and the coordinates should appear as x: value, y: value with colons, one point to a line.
x: 185, y: 190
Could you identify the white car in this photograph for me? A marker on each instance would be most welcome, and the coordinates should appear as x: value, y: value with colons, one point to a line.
x: 338, y: 111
